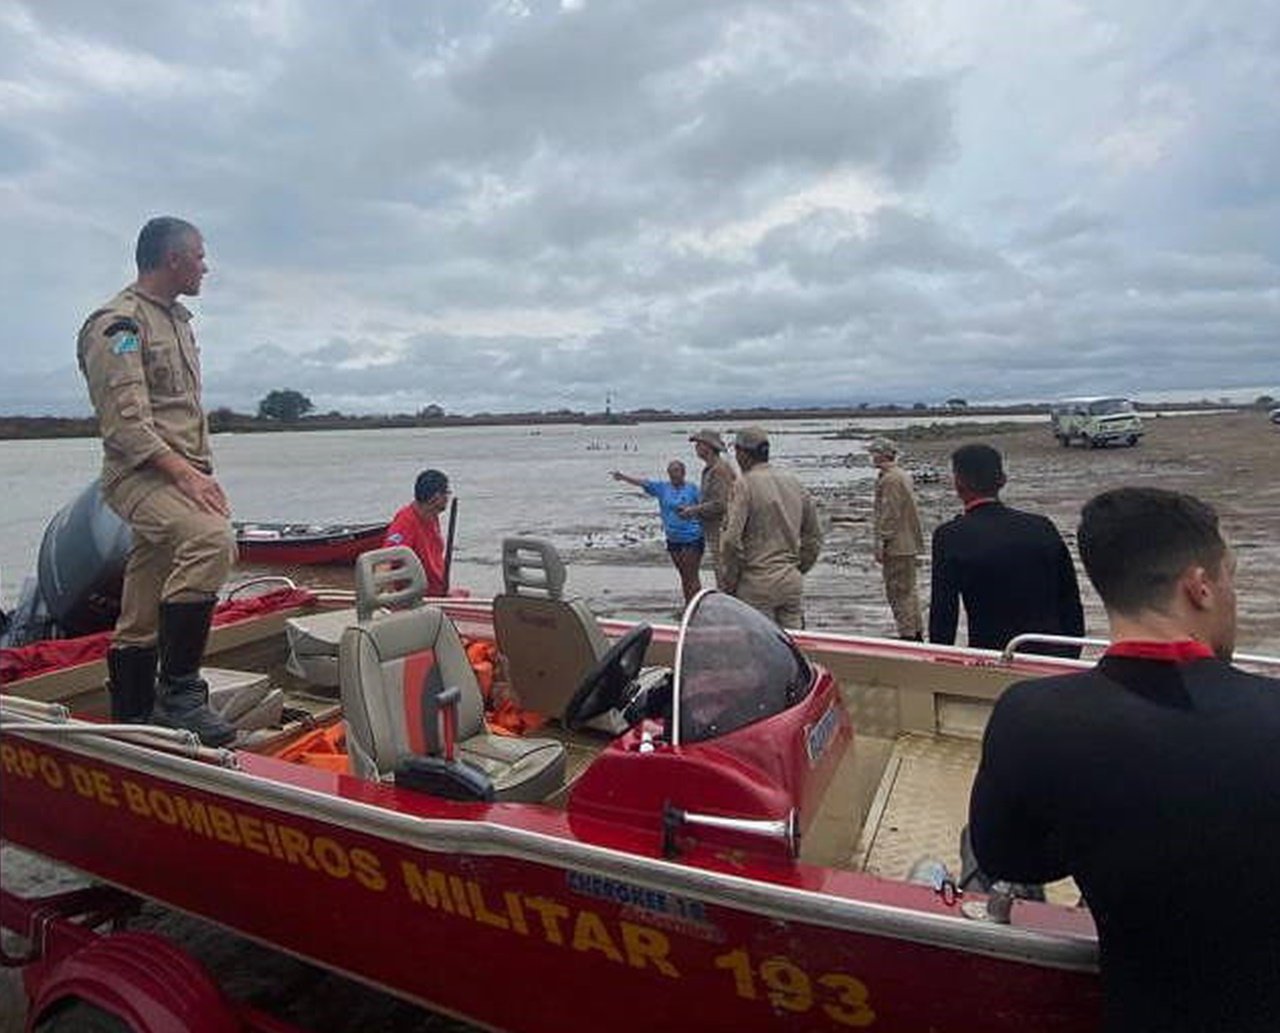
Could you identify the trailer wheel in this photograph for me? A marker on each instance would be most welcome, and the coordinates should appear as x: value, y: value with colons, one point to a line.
x: 81, y: 1017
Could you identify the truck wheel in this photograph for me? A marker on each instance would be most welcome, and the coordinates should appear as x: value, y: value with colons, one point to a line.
x: 1131, y: 440
x: 1064, y: 440
x: 81, y: 1017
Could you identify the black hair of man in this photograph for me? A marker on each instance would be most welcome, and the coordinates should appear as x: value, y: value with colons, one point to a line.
x: 428, y: 484
x: 1136, y: 542
x: 980, y: 467
x: 159, y: 238
x: 760, y: 453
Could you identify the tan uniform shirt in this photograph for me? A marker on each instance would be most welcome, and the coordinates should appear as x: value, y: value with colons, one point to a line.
x: 771, y: 534
x: 897, y: 521
x: 717, y: 484
x: 140, y: 358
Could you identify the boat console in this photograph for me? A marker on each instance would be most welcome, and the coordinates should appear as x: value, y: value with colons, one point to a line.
x: 735, y: 750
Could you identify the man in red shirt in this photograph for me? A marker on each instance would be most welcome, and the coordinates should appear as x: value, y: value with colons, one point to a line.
x: 417, y: 525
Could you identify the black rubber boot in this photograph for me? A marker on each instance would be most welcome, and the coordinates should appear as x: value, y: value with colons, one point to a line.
x: 131, y: 681
x: 182, y: 696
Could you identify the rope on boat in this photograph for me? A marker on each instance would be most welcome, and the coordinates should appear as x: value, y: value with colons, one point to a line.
x: 54, y: 719
x: 34, y: 708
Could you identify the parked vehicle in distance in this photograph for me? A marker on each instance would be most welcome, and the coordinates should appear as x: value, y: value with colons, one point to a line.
x: 1096, y: 422
x: 1275, y: 415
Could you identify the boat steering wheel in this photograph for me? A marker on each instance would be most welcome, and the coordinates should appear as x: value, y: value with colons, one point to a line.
x: 605, y: 686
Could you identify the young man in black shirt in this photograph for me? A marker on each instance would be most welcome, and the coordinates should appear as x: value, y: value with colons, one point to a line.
x: 1152, y: 780
x: 1011, y: 568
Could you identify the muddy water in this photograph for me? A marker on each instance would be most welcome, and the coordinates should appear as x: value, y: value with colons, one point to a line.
x: 554, y: 482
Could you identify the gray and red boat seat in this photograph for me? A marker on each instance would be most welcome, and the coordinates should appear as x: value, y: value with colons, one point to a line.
x: 313, y: 643
x: 390, y: 666
x: 313, y: 639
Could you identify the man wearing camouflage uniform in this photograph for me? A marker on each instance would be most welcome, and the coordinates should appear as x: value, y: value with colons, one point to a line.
x: 139, y: 356
x: 771, y: 535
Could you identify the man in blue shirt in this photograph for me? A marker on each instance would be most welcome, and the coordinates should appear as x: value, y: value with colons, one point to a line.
x: 684, y: 535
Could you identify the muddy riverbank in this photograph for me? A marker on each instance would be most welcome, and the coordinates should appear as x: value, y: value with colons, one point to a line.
x: 1231, y: 460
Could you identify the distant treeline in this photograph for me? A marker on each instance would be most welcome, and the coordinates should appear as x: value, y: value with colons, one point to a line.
x: 226, y: 420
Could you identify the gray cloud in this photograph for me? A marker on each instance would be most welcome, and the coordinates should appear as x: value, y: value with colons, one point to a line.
x: 517, y: 206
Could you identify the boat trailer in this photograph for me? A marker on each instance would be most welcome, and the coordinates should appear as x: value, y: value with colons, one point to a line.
x: 84, y: 971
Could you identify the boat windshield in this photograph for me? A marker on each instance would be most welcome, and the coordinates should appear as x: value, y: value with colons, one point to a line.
x: 734, y: 666
x: 1110, y: 407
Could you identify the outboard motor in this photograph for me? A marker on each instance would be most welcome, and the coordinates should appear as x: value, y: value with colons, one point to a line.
x: 28, y: 621
x: 80, y: 569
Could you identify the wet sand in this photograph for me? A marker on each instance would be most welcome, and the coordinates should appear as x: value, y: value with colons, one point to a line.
x: 1231, y: 460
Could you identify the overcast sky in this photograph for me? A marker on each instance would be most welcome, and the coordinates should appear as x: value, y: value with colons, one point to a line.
x: 500, y: 206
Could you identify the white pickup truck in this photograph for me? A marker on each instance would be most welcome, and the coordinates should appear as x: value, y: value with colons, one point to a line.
x: 1096, y: 422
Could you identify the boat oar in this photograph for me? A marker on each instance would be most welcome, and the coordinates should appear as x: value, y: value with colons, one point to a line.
x: 448, y: 548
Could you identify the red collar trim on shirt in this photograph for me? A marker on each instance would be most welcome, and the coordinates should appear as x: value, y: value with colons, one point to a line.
x: 973, y: 504
x: 1173, y: 652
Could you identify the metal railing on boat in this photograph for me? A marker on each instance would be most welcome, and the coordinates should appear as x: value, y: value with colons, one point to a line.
x: 1007, y: 654
x: 327, y: 597
x: 279, y: 580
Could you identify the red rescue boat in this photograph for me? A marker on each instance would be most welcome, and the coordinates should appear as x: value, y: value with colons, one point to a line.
x: 306, y: 544
x: 721, y: 840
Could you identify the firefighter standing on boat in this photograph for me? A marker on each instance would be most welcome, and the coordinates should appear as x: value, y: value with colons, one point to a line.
x: 139, y: 356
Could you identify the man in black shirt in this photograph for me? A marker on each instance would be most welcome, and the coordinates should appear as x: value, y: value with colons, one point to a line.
x: 1152, y: 780
x: 1011, y: 568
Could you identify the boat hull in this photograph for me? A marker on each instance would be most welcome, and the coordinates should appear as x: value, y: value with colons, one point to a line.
x: 289, y: 547
x: 512, y: 917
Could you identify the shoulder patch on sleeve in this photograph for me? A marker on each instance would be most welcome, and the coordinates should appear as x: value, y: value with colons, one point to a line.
x: 122, y: 324
x: 124, y: 344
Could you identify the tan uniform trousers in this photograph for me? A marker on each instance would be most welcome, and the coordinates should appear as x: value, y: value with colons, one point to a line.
x: 780, y: 597
x: 713, y: 550
x: 180, y: 552
x: 904, y: 600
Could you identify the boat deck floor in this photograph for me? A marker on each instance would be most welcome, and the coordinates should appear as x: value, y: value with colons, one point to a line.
x: 920, y: 806
x: 894, y: 802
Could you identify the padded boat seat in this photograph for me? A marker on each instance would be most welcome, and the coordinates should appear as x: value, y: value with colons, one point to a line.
x: 549, y: 646
x: 313, y: 639
x: 548, y: 643
x: 313, y: 645
x: 391, y: 668
x: 244, y: 698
